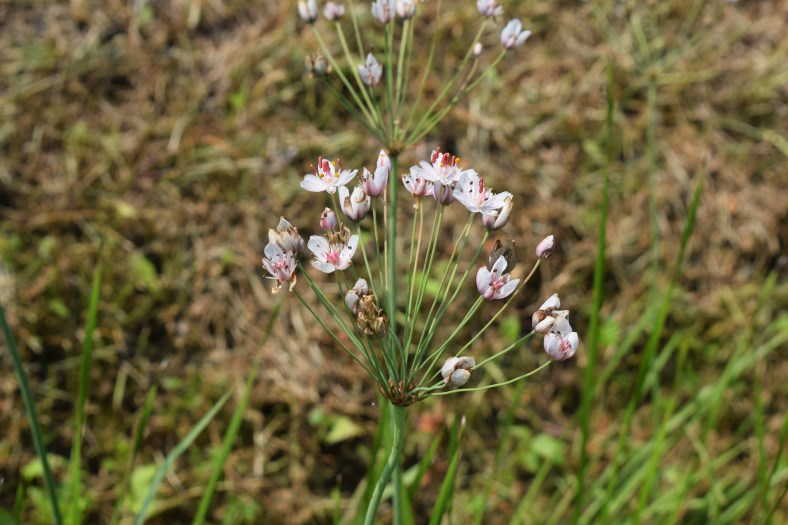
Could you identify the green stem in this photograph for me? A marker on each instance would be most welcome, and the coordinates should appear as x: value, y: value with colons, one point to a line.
x: 366, y: 262
x: 432, y: 323
x: 377, y: 254
x: 496, y: 385
x: 393, y: 466
x: 391, y: 238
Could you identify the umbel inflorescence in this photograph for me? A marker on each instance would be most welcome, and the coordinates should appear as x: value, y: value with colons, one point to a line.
x: 382, y: 263
x: 405, y: 359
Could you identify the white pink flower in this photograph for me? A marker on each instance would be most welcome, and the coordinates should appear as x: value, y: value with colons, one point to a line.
x: 287, y: 237
x: 561, y: 343
x: 472, y: 194
x: 332, y: 256
x: 371, y: 71
x: 280, y: 264
x: 417, y: 185
x: 405, y: 8
x: 382, y: 10
x: 354, y: 206
x: 489, y: 7
x: 456, y: 370
x: 443, y: 171
x: 333, y: 11
x: 498, y: 221
x: 327, y: 177
x: 513, y: 35
x: 548, y: 314
x: 495, y: 284
x: 307, y: 9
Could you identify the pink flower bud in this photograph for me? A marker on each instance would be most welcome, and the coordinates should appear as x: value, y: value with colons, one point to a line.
x: 458, y: 378
x: 477, y: 49
x: 544, y: 249
x: 354, y: 295
x: 328, y: 220
x: 375, y: 184
x: 456, y: 370
x: 384, y: 161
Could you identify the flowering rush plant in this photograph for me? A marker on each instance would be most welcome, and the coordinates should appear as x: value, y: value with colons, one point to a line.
x: 379, y: 311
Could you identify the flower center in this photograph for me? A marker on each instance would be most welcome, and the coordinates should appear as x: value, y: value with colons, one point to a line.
x: 332, y: 256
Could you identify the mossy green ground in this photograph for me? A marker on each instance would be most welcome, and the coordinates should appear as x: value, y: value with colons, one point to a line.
x: 164, y: 139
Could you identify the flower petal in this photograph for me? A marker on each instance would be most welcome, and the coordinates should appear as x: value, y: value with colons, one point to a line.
x: 313, y: 183
x: 324, y: 266
x: 552, y: 302
x: 507, y: 289
x: 344, y: 177
x: 319, y: 246
x: 499, y: 266
x: 350, y: 249
x: 449, y: 366
x: 272, y: 250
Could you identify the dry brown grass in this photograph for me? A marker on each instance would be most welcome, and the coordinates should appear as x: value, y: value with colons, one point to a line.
x: 171, y: 139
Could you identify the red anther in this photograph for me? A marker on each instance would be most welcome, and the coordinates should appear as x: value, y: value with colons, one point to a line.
x: 435, y: 154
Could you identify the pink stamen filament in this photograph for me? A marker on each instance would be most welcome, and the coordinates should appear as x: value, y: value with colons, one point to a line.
x: 332, y: 256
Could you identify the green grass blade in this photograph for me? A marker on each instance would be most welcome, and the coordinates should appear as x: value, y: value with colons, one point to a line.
x: 374, y: 470
x: 424, y: 465
x: 235, y: 424
x: 179, y: 449
x: 442, y: 504
x: 135, y: 448
x: 590, y: 374
x: 35, y: 427
x: 21, y: 492
x: 75, y: 465
x: 778, y: 500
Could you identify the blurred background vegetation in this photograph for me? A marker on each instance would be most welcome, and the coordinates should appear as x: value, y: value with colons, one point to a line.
x: 162, y: 139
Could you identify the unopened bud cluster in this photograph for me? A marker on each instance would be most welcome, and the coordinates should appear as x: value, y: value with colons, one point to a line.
x: 370, y: 319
